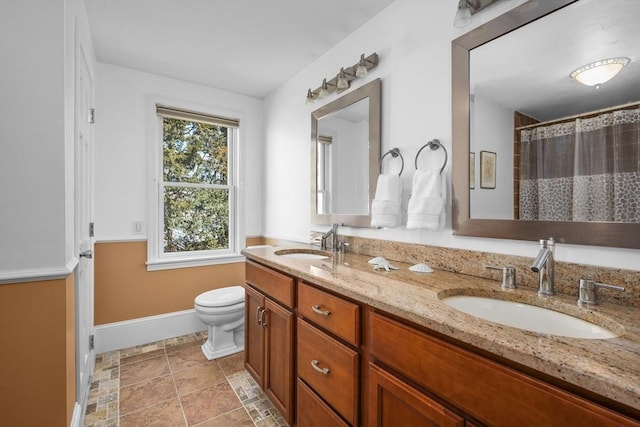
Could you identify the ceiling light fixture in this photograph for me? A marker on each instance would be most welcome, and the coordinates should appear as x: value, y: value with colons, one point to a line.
x: 343, y: 79
x: 599, y: 72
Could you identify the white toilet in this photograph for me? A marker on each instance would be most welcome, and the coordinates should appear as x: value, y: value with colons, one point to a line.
x: 222, y: 310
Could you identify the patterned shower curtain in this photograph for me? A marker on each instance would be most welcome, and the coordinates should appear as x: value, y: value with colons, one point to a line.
x: 584, y: 170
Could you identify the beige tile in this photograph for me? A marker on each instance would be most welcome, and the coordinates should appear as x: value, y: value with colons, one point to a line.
x: 142, y: 356
x: 209, y: 403
x: 236, y: 418
x: 145, y: 394
x: 187, y: 358
x: 232, y: 364
x: 197, y: 377
x: 143, y: 370
x: 164, y: 414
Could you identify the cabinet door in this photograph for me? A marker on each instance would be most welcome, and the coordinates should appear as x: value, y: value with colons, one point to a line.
x: 312, y: 411
x: 254, y: 334
x: 392, y: 403
x: 278, y: 383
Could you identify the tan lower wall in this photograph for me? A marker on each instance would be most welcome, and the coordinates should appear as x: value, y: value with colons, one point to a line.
x: 125, y: 290
x: 37, y: 353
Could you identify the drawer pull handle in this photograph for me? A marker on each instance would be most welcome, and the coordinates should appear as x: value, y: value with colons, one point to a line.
x: 317, y: 309
x: 323, y: 371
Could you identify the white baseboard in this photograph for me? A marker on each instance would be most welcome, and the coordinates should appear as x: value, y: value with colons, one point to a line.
x: 129, y: 333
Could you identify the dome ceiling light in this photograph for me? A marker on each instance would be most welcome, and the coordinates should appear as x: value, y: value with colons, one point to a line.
x: 599, y: 72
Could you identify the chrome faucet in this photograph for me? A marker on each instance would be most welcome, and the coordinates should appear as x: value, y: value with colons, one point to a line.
x: 333, y: 233
x: 544, y: 266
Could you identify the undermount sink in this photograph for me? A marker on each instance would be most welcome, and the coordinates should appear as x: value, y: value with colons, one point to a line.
x: 527, y: 317
x: 302, y: 253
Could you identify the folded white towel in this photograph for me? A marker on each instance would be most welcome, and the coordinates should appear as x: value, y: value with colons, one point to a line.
x: 426, y: 204
x: 385, y: 207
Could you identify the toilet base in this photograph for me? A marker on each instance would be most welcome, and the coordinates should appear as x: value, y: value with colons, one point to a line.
x: 228, y: 347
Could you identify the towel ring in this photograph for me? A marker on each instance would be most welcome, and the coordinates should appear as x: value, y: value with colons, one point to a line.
x: 395, y: 152
x: 434, y: 144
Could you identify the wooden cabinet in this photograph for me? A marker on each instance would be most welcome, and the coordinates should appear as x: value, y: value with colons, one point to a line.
x: 313, y: 411
x: 486, y: 391
x: 269, y: 336
x: 332, y: 313
x: 330, y: 369
x: 377, y: 370
x: 328, y: 361
x: 396, y: 404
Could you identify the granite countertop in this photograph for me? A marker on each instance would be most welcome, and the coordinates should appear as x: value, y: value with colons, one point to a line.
x: 608, y: 367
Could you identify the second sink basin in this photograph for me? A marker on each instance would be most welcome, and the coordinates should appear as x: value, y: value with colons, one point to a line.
x: 302, y: 253
x: 527, y: 317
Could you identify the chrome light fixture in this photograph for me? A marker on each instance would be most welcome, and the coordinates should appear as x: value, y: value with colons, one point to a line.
x: 343, y: 79
x: 324, y: 89
x: 362, y: 71
x: 463, y: 14
x: 599, y: 72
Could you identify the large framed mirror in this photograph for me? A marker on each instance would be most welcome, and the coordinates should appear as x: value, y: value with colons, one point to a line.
x: 511, y: 81
x: 345, y: 157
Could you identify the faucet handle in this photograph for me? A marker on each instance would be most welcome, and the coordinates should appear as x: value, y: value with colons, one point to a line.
x: 342, y: 246
x: 508, y: 276
x: 587, y: 294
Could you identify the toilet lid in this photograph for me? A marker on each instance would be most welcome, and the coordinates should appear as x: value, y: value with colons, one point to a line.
x: 221, y: 297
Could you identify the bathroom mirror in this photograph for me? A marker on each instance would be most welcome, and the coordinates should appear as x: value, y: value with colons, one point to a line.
x: 496, y: 65
x: 345, y: 157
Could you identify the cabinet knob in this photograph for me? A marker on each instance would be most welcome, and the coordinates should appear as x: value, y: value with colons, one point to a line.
x: 323, y: 371
x: 316, y: 309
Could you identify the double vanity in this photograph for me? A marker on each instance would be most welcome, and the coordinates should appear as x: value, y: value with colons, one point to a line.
x: 334, y: 342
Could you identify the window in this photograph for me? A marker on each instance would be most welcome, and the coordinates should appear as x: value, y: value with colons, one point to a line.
x: 195, y: 177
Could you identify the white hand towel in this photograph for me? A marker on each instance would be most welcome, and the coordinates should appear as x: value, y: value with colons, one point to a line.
x: 385, y: 207
x: 426, y: 204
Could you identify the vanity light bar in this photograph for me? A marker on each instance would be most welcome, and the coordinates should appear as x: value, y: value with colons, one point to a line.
x: 346, y: 74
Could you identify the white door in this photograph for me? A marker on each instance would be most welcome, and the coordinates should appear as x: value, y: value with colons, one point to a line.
x: 85, y: 357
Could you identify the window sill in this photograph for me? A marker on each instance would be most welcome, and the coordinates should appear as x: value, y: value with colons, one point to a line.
x: 169, y: 264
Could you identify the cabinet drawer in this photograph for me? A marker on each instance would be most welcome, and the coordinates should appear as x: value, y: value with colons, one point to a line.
x: 394, y: 403
x: 336, y: 315
x: 313, y: 412
x: 492, y: 393
x: 330, y: 369
x: 276, y: 285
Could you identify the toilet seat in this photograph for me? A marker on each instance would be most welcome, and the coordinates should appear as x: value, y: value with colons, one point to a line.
x: 224, y: 297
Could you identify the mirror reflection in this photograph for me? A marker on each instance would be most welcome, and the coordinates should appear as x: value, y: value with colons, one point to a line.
x: 345, y: 157
x: 564, y: 150
x: 343, y: 161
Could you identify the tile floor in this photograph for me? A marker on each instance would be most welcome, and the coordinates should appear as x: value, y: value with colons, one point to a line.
x: 170, y: 383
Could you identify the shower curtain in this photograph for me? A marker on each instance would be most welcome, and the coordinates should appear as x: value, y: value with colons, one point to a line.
x: 584, y: 170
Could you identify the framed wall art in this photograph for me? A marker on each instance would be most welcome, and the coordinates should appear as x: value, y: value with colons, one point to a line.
x: 488, y: 169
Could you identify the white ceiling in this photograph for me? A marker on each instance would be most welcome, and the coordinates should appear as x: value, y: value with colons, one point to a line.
x: 528, y: 70
x: 249, y: 47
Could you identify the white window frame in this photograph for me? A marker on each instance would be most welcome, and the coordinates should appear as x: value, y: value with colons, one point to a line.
x: 157, y: 259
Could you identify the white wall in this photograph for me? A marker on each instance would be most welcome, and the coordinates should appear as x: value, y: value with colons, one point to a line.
x: 37, y: 51
x: 413, y: 39
x: 123, y: 100
x: 492, y: 131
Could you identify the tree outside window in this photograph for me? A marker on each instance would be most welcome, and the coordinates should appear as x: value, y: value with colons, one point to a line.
x: 196, y: 185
